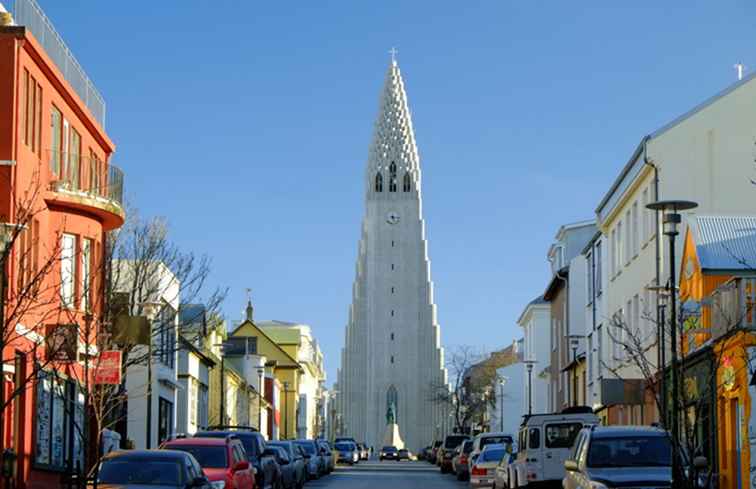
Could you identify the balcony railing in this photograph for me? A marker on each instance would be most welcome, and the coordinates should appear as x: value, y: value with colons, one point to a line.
x: 89, y: 177
x: 732, y: 306
x: 29, y: 14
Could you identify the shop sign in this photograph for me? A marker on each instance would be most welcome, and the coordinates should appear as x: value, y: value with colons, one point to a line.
x: 108, y: 368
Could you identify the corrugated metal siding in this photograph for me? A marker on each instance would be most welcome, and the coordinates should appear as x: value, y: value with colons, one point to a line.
x: 726, y: 242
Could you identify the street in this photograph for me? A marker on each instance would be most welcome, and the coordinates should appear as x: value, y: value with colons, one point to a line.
x: 391, y: 475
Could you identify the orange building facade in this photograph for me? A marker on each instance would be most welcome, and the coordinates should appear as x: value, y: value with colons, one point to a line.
x: 59, y: 196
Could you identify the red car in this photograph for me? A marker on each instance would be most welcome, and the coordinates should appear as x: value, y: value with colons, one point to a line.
x: 222, y: 459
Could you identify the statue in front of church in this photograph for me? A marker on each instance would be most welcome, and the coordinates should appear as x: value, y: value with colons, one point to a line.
x: 391, y: 414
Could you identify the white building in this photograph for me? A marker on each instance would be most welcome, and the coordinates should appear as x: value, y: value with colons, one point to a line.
x: 151, y: 387
x: 194, y: 365
x: 506, y: 415
x: 535, y: 322
x: 392, y: 352
x: 705, y: 155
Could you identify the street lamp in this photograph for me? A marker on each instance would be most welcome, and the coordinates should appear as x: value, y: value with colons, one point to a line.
x: 574, y: 344
x: 662, y: 294
x: 502, y: 381
x: 260, y: 390
x: 671, y: 222
x: 529, y: 365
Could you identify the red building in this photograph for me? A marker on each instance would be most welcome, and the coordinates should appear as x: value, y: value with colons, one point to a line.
x: 59, y: 195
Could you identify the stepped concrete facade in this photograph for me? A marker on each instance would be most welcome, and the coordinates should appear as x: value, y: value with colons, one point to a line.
x: 392, y: 352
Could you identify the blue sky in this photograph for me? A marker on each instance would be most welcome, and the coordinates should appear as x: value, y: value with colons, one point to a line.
x: 247, y: 125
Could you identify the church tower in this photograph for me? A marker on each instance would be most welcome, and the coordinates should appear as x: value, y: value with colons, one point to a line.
x: 392, y: 354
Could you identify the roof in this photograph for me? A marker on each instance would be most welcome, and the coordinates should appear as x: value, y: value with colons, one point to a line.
x: 573, y: 225
x: 560, y: 277
x: 196, y: 441
x: 619, y: 430
x: 186, y: 344
x: 191, y: 313
x: 666, y: 127
x: 535, y: 302
x: 725, y: 242
x: 164, y: 454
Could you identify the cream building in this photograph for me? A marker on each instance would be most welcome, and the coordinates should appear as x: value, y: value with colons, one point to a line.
x: 705, y: 155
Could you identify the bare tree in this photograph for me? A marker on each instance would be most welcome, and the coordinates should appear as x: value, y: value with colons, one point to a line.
x: 471, y: 390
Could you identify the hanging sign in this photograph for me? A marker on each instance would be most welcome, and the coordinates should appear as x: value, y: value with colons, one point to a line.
x: 108, y: 369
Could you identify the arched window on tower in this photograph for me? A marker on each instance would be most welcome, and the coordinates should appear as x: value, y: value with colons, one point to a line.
x: 392, y: 177
x: 407, y: 182
x: 392, y: 399
x: 379, y: 182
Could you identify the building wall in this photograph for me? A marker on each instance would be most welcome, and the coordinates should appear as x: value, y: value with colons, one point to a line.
x: 536, y: 324
x: 559, y: 388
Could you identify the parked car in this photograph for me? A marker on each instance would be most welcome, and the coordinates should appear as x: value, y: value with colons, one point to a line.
x: 490, y: 438
x: 345, y: 438
x: 404, y: 454
x: 389, y: 453
x: 501, y: 476
x: 347, y: 452
x: 424, y: 453
x: 328, y: 454
x: 446, y: 451
x: 222, y: 460
x: 296, y: 460
x: 254, y: 444
x: 137, y: 469
x: 314, y: 461
x: 460, y: 462
x: 544, y: 443
x: 287, y: 476
x: 483, y: 469
x: 619, y: 456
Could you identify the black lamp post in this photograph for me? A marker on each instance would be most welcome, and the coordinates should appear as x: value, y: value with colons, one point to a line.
x: 529, y: 365
x: 662, y: 294
x: 671, y: 221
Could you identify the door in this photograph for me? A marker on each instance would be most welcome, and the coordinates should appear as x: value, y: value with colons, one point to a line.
x: 735, y: 451
x: 558, y: 440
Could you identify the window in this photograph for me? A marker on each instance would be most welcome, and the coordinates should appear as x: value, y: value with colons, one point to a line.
x: 392, y: 358
x: 59, y: 420
x: 86, y: 274
x: 392, y: 313
x: 392, y: 290
x: 165, y: 420
x: 202, y: 409
x: 651, y: 215
x: 392, y: 266
x: 600, y: 348
x: 392, y: 336
x: 636, y: 316
x: 28, y: 251
x: 534, y: 438
x: 644, y: 202
x: 166, y: 336
x: 392, y: 177
x: 56, y: 141
x: 192, y: 408
x: 628, y: 251
x: 379, y: 182
x: 407, y: 186
x: 392, y: 243
x: 613, y: 254
x: 32, y: 124
x: 74, y: 159
x: 578, y: 446
x: 589, y: 276
x: 590, y: 358
x: 598, y: 269
x: 562, y: 435
x: 636, y: 236
x: 619, y: 248
x: 67, y: 270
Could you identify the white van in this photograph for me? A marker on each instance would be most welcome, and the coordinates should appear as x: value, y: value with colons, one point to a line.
x: 543, y: 444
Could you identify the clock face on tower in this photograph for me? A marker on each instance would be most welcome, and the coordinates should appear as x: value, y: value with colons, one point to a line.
x: 392, y: 217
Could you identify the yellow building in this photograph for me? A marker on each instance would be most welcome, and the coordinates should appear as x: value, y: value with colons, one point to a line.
x: 285, y: 368
x: 717, y: 293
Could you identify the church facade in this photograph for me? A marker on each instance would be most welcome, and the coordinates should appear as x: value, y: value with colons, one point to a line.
x: 392, y: 360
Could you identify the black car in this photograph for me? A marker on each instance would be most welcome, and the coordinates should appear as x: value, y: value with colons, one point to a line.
x: 143, y: 468
x: 389, y: 453
x: 290, y: 477
x: 254, y: 445
x: 296, y: 460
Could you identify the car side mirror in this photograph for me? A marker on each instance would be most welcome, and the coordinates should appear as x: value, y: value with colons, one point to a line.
x: 241, y: 465
x: 700, y: 462
x: 201, y: 481
x: 570, y: 466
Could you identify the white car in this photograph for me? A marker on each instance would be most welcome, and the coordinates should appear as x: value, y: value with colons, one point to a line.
x: 483, y: 470
x: 490, y: 438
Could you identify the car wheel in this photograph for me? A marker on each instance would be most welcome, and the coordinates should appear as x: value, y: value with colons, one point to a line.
x: 460, y: 477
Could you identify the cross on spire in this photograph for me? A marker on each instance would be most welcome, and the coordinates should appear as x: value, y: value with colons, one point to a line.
x: 393, y: 52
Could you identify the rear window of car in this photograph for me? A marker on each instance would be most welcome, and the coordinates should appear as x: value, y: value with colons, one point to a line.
x: 307, y: 446
x: 209, y: 457
x: 249, y: 441
x: 344, y: 447
x: 495, y: 440
x: 152, y: 472
x: 633, y: 451
x: 454, y: 441
x: 389, y: 449
x: 493, y: 455
x: 562, y: 435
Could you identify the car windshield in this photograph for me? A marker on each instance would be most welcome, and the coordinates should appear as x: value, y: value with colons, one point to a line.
x: 284, y: 446
x: 344, y: 447
x: 146, y: 472
x: 209, y: 457
x: 249, y: 442
x: 389, y: 449
x: 306, y: 446
x: 454, y: 441
x: 491, y: 440
x: 492, y: 455
x: 635, y: 451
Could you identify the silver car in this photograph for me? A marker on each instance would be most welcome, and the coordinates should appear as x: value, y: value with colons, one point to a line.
x: 619, y: 456
x: 315, y: 463
x: 144, y: 469
x: 483, y: 469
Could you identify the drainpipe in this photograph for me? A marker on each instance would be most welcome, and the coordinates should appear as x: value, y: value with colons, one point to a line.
x: 566, y: 313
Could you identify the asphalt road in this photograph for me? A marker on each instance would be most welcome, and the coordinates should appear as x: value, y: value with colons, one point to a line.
x: 388, y: 475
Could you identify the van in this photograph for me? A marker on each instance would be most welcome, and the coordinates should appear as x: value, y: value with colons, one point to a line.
x: 544, y: 442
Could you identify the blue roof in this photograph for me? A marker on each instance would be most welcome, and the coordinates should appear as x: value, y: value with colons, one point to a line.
x: 725, y: 242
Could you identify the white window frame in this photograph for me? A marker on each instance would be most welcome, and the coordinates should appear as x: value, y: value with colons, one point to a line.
x: 636, y: 231
x: 68, y: 270
x: 86, y: 273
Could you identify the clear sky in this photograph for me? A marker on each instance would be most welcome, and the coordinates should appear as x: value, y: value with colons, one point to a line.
x: 247, y: 124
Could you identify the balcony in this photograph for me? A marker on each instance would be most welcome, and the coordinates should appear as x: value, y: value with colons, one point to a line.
x: 87, y: 184
x: 732, y: 306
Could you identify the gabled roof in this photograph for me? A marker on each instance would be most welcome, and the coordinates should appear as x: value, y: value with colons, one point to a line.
x: 559, y: 278
x: 726, y: 243
x: 278, y: 348
x: 538, y: 301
